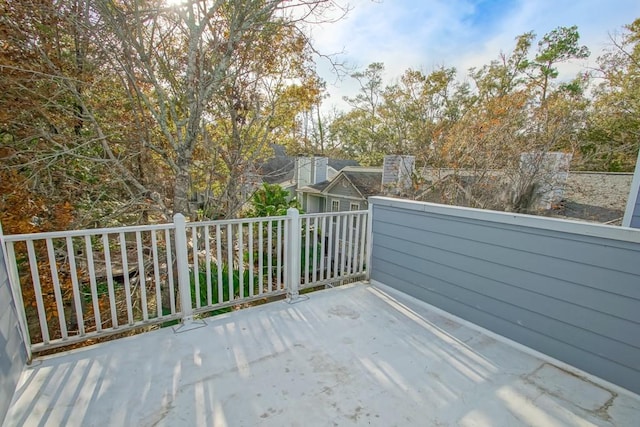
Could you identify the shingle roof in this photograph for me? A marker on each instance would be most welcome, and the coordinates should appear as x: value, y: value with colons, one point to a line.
x: 280, y: 167
x: 320, y: 187
x: 367, y: 181
x: 277, y: 169
x: 339, y: 164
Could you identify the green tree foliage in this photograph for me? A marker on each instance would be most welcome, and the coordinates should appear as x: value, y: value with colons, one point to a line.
x: 512, y: 105
x: 559, y: 45
x: 612, y: 134
x: 361, y: 131
x: 272, y: 200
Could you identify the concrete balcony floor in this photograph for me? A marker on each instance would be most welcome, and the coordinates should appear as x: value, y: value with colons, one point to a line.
x: 355, y: 355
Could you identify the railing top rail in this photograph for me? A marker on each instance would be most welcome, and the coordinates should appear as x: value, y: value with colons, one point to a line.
x: 514, y: 219
x: 339, y: 213
x: 167, y: 226
x: 236, y: 221
x: 85, y: 232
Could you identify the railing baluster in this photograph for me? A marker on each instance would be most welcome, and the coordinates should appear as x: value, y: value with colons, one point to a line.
x: 336, y: 244
x: 219, y: 262
x: 323, y: 236
x: 330, y: 239
x: 269, y: 258
x: 355, y: 266
x: 350, y: 221
x: 343, y: 259
x: 240, y: 261
x: 307, y: 257
x: 230, y: 261
x: 75, y: 285
x: 207, y: 260
x: 35, y: 277
x: 122, y: 239
x: 314, y: 251
x: 53, y: 266
x: 279, y: 243
x: 112, y: 296
x: 196, y: 270
x: 251, y: 266
x: 142, y: 278
x: 172, y: 295
x: 260, y: 259
x: 92, y: 282
x: 156, y: 273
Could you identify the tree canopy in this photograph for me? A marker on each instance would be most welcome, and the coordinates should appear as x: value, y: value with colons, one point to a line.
x: 128, y: 111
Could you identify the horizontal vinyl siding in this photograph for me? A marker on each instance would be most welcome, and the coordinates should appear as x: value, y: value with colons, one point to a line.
x: 12, y: 352
x: 345, y: 204
x: 344, y: 188
x: 574, y: 297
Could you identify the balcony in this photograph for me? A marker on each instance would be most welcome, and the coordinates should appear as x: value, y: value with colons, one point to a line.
x: 467, y: 318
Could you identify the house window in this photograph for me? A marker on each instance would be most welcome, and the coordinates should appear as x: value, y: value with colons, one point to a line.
x: 335, y: 205
x: 354, y: 207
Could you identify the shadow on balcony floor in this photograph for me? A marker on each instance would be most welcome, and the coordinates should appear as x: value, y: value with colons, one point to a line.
x: 355, y: 355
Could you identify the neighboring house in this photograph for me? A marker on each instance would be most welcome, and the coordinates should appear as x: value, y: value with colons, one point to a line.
x: 352, y: 187
x: 292, y: 173
x: 348, y: 191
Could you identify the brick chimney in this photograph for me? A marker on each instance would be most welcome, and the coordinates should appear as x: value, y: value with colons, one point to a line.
x: 396, y: 173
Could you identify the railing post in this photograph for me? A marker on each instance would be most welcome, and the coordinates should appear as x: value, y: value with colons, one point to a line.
x: 369, y: 242
x: 182, y: 260
x: 293, y: 254
x: 9, y: 260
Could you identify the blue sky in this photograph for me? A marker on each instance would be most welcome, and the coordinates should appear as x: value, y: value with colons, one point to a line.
x: 425, y: 34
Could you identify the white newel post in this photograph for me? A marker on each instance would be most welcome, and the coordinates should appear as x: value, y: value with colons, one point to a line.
x: 369, y: 241
x: 182, y: 259
x: 293, y: 254
x: 9, y: 257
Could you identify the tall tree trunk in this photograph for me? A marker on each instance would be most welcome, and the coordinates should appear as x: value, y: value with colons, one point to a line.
x: 181, y: 185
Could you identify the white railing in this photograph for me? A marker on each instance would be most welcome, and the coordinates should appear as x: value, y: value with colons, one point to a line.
x: 85, y: 284
x: 333, y: 247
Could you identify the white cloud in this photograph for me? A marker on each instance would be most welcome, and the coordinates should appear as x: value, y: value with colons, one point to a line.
x: 462, y: 33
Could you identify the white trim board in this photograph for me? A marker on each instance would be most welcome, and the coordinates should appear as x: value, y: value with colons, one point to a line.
x: 517, y: 219
x: 633, y: 195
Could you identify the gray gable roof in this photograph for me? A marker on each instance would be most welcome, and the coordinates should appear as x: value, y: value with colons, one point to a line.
x: 280, y: 167
x: 277, y: 169
x: 320, y: 187
x: 339, y: 164
x: 367, y: 182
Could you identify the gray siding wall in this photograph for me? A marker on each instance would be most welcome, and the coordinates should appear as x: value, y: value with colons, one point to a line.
x: 568, y: 290
x: 345, y: 204
x: 12, y: 352
x: 343, y: 188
